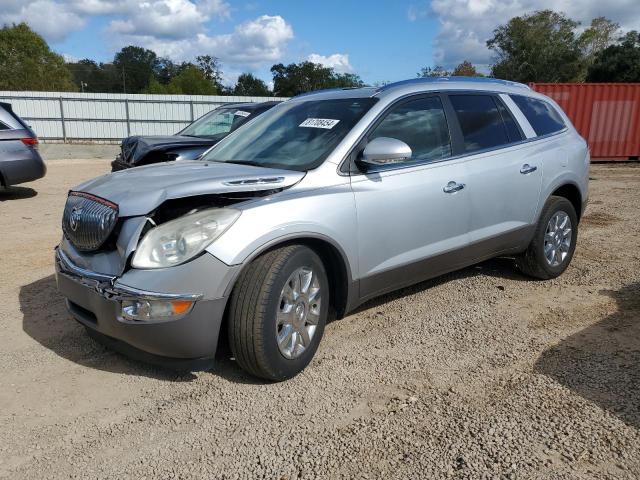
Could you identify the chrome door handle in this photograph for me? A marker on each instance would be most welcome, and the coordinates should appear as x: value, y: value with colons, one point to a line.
x: 453, y: 187
x: 526, y: 168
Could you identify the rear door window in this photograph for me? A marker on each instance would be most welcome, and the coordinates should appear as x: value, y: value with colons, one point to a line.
x: 421, y: 124
x: 480, y: 121
x: 544, y: 119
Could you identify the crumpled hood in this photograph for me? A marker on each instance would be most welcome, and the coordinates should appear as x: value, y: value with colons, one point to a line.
x: 138, y: 191
x: 136, y: 148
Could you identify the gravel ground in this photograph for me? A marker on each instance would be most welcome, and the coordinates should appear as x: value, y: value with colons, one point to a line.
x: 478, y: 374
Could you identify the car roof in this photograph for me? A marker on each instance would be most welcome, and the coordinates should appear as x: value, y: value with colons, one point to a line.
x: 417, y: 85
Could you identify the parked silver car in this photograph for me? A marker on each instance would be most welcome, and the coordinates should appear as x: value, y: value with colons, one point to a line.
x: 20, y: 161
x: 321, y: 203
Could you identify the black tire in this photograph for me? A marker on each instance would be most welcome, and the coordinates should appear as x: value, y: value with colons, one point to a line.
x: 254, y: 304
x: 533, y: 261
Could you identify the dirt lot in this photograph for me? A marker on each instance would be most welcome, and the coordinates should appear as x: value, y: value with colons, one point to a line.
x: 480, y: 374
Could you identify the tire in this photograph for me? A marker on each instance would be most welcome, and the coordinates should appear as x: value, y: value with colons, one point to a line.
x: 259, y: 309
x: 534, y: 261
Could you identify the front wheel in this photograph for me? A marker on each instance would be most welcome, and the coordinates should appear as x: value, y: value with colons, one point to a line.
x: 278, y: 311
x: 554, y: 241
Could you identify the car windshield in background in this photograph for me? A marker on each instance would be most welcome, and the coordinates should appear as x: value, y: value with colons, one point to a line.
x: 297, y: 135
x: 217, y: 123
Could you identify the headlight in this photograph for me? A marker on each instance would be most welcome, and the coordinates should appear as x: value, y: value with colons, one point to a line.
x: 180, y: 240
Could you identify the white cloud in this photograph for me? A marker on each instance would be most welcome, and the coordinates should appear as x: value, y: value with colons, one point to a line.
x: 179, y: 29
x: 163, y: 18
x: 251, y: 43
x: 338, y: 61
x: 466, y: 25
x: 53, y: 20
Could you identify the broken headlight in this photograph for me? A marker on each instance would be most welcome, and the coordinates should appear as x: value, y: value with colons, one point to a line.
x: 179, y: 240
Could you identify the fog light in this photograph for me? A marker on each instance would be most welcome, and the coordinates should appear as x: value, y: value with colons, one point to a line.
x: 149, y: 310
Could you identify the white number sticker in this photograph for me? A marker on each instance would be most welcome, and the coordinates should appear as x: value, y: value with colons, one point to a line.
x: 242, y: 113
x: 327, y: 123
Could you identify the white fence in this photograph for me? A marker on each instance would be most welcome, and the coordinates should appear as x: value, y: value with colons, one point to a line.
x: 109, y: 117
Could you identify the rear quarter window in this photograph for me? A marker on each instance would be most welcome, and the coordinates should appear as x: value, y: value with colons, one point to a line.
x: 544, y: 119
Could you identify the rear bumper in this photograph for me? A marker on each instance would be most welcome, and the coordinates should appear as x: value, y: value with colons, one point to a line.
x: 185, y: 343
x: 26, y: 167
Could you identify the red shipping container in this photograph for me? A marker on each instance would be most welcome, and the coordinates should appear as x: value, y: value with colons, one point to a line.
x: 607, y: 115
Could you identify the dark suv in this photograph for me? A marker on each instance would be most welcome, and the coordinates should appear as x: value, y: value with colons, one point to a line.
x: 191, y: 142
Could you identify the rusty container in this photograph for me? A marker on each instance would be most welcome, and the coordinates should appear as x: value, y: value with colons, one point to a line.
x: 607, y: 115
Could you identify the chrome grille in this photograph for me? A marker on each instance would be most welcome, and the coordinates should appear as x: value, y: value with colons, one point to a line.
x: 88, y: 220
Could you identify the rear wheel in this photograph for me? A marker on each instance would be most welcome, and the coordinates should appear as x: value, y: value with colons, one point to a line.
x: 554, y: 241
x: 278, y: 311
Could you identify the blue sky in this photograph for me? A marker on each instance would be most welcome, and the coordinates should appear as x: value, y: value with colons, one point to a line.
x: 382, y: 40
x: 381, y: 44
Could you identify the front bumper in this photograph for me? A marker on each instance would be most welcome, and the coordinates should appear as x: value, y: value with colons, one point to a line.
x: 186, y: 343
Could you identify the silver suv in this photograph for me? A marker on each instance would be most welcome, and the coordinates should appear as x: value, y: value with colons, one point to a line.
x: 321, y: 203
x: 20, y: 161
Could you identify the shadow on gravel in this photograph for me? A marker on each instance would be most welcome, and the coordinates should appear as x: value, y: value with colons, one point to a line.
x: 16, y: 193
x: 46, y: 320
x: 602, y: 363
x: 496, y: 267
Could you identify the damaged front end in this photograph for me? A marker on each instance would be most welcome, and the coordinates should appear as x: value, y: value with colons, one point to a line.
x: 133, y: 253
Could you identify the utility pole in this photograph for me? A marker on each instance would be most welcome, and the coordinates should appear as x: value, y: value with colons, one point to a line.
x: 124, y: 81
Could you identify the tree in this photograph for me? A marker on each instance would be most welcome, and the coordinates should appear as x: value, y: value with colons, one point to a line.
x: 347, y: 80
x: 618, y: 63
x: 296, y: 78
x: 137, y: 66
x: 601, y: 34
x: 540, y: 47
x: 437, y: 71
x: 190, y: 81
x: 27, y: 62
x: 249, y: 85
x: 165, y: 70
x: 210, y: 67
x: 90, y: 76
x: 466, y: 69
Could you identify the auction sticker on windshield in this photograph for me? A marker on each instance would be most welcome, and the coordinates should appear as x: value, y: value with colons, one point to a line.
x: 327, y: 123
x: 242, y: 113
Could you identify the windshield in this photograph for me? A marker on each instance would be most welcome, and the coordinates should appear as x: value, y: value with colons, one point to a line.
x: 296, y: 135
x: 217, y: 123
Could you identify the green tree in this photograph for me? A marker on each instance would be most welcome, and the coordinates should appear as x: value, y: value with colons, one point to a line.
x: 250, y: 85
x: 601, y: 34
x: 90, y: 76
x: 437, y: 71
x: 165, y: 70
x: 210, y: 67
x: 136, y: 66
x: 466, y: 69
x: 296, y: 78
x: 618, y: 63
x: 27, y: 62
x: 190, y: 81
x: 539, y: 47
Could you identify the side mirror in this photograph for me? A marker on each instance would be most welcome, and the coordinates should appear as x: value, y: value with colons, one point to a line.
x: 385, y: 151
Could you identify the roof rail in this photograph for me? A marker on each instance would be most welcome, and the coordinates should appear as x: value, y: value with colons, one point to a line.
x: 418, y: 81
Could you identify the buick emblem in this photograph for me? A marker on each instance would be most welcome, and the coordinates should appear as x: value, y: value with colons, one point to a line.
x: 74, y: 220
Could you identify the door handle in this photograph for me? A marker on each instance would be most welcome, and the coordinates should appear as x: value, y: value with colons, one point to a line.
x: 526, y: 168
x: 453, y: 187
